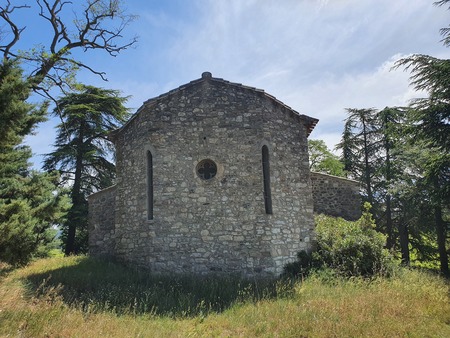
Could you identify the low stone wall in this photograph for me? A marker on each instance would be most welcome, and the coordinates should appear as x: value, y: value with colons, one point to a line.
x: 336, y: 196
x: 101, y: 222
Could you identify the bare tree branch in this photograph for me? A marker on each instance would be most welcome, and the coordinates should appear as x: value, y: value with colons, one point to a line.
x: 100, y: 25
x: 82, y: 65
x: 16, y: 31
x: 59, y: 28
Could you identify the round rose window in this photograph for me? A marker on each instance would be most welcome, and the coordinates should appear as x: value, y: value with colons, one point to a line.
x: 206, y: 169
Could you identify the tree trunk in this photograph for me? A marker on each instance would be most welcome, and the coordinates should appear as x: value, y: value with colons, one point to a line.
x: 441, y: 237
x: 367, y: 164
x: 77, y: 198
x: 389, y: 230
x: 73, y: 216
x: 70, y: 242
x: 404, y: 242
x: 389, y: 227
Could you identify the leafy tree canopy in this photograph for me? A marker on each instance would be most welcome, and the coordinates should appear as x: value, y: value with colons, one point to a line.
x: 322, y: 160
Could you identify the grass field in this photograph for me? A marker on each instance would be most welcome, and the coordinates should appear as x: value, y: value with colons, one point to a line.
x: 84, y: 297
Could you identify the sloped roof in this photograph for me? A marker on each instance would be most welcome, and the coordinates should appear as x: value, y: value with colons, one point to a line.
x: 310, y: 122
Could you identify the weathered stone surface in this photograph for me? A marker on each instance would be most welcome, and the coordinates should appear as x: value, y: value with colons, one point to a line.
x: 220, y: 224
x: 101, y: 222
x: 336, y: 196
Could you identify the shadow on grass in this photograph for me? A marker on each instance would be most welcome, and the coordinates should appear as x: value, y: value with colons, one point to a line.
x: 5, y: 269
x: 95, y: 285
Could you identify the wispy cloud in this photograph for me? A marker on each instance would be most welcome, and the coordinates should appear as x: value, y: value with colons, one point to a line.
x: 317, y: 56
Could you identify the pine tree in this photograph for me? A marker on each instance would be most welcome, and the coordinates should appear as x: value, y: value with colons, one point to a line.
x: 372, y: 144
x: 83, y: 153
x: 17, y: 117
x: 431, y: 128
x: 29, y: 201
x: 359, y: 149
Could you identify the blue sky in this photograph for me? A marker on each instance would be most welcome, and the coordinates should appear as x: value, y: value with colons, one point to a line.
x: 317, y: 56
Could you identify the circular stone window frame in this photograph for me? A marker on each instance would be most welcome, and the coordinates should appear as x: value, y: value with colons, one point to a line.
x: 201, y: 163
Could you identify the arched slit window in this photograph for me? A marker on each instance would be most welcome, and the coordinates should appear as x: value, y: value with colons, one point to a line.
x: 266, y: 176
x: 149, y: 185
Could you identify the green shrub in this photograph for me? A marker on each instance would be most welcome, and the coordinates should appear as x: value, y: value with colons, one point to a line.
x: 302, y: 266
x: 349, y: 248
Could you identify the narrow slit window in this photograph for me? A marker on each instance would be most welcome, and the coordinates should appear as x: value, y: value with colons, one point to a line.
x: 149, y: 185
x: 266, y: 176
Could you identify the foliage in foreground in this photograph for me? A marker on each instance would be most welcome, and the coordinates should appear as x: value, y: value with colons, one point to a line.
x: 29, y: 206
x: 30, y: 203
x: 348, y: 248
x: 410, y: 303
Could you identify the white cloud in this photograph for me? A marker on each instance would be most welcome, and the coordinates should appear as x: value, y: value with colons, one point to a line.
x: 377, y: 89
x: 317, y: 56
x: 246, y: 39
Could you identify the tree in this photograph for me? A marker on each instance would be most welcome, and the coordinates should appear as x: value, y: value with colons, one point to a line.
x: 83, y: 152
x: 389, y: 170
x: 359, y: 148
x: 322, y: 160
x: 431, y: 127
x: 419, y: 198
x: 445, y: 32
x: 30, y: 203
x: 96, y: 25
x: 17, y: 117
x: 373, y: 146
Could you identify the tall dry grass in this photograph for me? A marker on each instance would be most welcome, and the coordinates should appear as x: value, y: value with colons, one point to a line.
x: 71, y: 303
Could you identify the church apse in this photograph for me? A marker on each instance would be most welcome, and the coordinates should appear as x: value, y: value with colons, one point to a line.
x: 212, y: 176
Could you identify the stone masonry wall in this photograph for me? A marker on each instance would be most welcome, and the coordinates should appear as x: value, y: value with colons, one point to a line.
x: 101, y: 222
x: 336, y: 196
x: 218, y: 225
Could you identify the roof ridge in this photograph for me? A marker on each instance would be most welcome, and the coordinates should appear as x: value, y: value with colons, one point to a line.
x: 207, y: 76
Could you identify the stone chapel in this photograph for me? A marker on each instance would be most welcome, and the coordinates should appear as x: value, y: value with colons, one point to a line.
x: 214, y: 177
